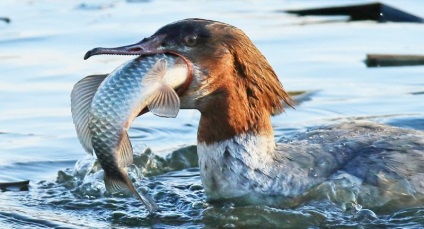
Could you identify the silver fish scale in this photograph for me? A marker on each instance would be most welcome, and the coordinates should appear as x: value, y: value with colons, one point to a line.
x: 114, y: 102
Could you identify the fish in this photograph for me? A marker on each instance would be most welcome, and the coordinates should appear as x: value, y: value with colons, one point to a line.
x: 104, y: 106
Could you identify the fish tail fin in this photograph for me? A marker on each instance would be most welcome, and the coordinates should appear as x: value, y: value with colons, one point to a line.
x: 144, y: 198
x: 118, y: 183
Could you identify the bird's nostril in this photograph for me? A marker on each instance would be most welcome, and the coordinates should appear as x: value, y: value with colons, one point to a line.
x: 135, y: 49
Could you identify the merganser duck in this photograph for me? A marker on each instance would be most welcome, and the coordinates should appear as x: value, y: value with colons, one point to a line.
x: 237, y: 91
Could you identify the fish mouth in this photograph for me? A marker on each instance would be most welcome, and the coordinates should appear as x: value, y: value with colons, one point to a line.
x: 148, y: 46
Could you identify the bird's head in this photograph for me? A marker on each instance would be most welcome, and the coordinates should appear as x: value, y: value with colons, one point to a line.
x: 228, y: 71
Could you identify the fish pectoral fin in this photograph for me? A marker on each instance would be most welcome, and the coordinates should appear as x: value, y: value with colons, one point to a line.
x: 125, y: 153
x: 165, y: 103
x: 123, y: 183
x: 81, y: 97
x: 156, y: 73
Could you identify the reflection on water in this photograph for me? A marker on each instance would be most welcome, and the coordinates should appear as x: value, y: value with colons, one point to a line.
x: 41, y: 52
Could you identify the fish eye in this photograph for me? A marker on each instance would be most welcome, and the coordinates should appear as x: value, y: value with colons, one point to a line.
x: 190, y: 40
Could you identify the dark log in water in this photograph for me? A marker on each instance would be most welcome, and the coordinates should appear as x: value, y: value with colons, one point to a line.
x: 375, y: 11
x: 19, y: 185
x: 387, y: 60
x: 5, y: 19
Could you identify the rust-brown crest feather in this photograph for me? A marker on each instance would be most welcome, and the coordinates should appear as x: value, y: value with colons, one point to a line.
x: 262, y: 84
x: 244, y: 89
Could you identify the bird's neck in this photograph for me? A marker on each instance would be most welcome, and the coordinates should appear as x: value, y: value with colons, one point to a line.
x: 236, y: 144
x: 231, y: 114
x: 233, y: 138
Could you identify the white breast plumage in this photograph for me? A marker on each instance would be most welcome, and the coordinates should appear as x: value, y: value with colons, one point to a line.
x: 229, y: 169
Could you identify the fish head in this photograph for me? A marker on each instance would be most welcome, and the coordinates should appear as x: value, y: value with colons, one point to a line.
x: 148, y: 46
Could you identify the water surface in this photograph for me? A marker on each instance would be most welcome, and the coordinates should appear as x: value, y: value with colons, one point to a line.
x: 41, y: 58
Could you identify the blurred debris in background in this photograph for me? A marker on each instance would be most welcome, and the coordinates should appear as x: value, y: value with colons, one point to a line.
x: 5, y: 19
x: 15, y: 186
x: 386, y: 60
x: 374, y: 11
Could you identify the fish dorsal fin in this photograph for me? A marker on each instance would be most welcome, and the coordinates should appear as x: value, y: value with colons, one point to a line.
x: 81, y: 97
x: 155, y: 74
x: 165, y: 103
x: 125, y: 152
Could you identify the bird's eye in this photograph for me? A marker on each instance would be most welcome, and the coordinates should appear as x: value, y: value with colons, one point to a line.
x: 190, y: 40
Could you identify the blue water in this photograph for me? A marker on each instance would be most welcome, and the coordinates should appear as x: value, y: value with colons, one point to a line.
x: 41, y: 58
